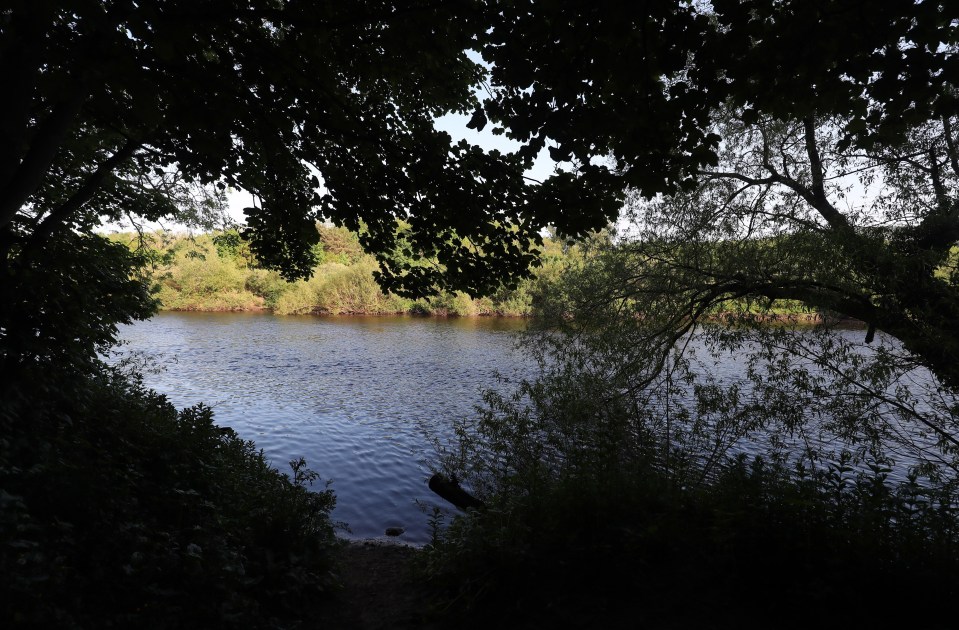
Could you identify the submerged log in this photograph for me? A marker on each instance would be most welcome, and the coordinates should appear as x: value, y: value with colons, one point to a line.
x: 450, y: 490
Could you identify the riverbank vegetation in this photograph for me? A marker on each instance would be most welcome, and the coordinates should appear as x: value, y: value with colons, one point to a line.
x: 216, y: 271
x: 717, y: 479
x: 116, y: 509
x: 121, y: 511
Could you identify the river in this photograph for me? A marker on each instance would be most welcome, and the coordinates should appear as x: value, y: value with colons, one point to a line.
x: 357, y: 396
x: 353, y: 395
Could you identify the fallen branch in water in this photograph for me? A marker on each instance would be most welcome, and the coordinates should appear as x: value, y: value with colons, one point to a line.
x: 451, y: 491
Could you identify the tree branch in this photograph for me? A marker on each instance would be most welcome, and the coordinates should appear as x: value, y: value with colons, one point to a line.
x: 46, y: 143
x: 950, y: 145
x: 939, y: 229
x: 817, y: 199
x: 752, y: 181
x: 62, y: 212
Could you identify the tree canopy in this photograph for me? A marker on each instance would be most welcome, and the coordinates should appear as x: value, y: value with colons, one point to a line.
x: 785, y: 150
x: 325, y: 111
x: 322, y: 111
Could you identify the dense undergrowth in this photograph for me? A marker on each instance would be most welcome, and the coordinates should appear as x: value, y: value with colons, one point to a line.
x: 120, y: 511
x: 629, y: 549
x: 216, y: 272
x: 585, y: 528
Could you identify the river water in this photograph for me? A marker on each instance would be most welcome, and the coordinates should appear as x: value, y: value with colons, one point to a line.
x: 357, y: 396
x: 350, y: 394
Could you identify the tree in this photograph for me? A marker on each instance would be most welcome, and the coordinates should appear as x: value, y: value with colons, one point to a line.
x: 321, y: 111
x: 772, y: 156
x: 780, y: 150
x: 786, y: 154
x: 123, y: 107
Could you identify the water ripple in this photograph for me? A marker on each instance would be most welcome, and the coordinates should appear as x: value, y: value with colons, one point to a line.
x: 348, y: 394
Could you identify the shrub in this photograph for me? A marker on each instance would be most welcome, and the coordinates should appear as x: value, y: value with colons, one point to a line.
x: 607, y: 508
x: 204, y: 274
x: 299, y: 298
x: 198, y: 279
x: 120, y: 511
x: 353, y: 289
x: 266, y: 284
x: 229, y: 300
x: 456, y: 304
x: 340, y: 245
x: 514, y: 303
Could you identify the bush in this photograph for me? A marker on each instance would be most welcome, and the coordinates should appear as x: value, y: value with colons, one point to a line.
x: 299, y: 298
x: 119, y: 511
x: 344, y: 290
x: 266, y: 284
x: 340, y: 245
x: 606, y: 512
x: 515, y: 303
x: 456, y: 304
x: 632, y: 550
x: 198, y: 279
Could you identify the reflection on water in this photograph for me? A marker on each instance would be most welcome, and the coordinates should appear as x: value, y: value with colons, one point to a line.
x: 348, y: 394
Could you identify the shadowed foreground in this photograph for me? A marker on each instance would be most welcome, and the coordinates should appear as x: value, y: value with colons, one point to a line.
x: 379, y: 590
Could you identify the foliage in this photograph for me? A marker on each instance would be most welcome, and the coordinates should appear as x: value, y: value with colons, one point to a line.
x: 123, y: 109
x: 59, y: 310
x: 202, y: 275
x: 298, y: 299
x: 340, y: 245
x: 353, y: 289
x: 629, y: 550
x: 118, y: 510
x: 339, y: 289
x: 641, y: 475
x: 200, y: 272
x: 230, y: 244
x: 266, y: 284
x: 647, y: 110
x: 625, y: 318
x: 619, y: 498
x: 745, y: 123
x: 764, y: 232
x: 656, y: 76
x: 458, y: 304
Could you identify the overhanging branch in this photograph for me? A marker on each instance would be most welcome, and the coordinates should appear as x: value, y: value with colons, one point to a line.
x: 46, y: 143
x: 62, y: 212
